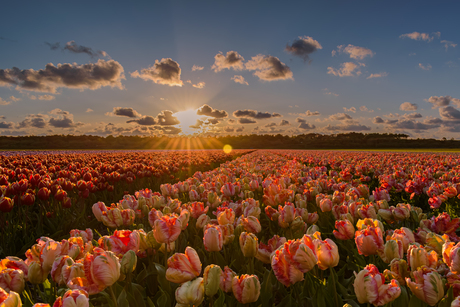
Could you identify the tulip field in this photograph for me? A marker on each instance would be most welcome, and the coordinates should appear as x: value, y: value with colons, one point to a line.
x: 246, y: 228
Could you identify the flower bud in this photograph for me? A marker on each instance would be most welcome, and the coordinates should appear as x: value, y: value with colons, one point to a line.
x: 36, y: 274
x: 248, y: 244
x: 211, y: 277
x: 246, y: 288
x: 393, y: 250
x: 128, y: 262
x: 190, y: 293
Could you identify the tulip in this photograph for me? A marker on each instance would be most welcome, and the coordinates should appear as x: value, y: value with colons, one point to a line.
x: 9, y: 300
x: 286, y: 214
x: 98, y: 209
x: 183, y: 267
x: 121, y: 242
x: 345, y: 230
x: 212, y: 239
x: 112, y: 217
x: 246, y: 288
x: 301, y: 253
x: 451, y: 256
x: 15, y: 263
x: 427, y: 286
x: 369, y: 241
x: 128, y: 262
x: 435, y: 242
x: 393, y: 250
x: 405, y: 235
x: 251, y: 224
x: 325, y: 205
x: 36, y: 274
x: 105, y: 267
x: 226, y: 279
x: 227, y: 233
x: 190, y: 293
x: 197, y: 209
x: 327, y: 253
x: 285, y: 271
x: 370, y: 287
x: 248, y: 244
x: 202, y: 221
x: 211, y: 277
x: 87, y: 234
x: 167, y: 229
x: 418, y: 256
x: 12, y: 280
x: 226, y: 216
x: 73, y: 298
x: 59, y: 265
x: 266, y: 250
x: 6, y: 204
x: 184, y: 217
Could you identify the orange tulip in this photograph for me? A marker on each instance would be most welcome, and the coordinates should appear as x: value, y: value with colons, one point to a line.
x: 327, y: 253
x: 167, y: 229
x: 369, y: 241
x: 183, y: 267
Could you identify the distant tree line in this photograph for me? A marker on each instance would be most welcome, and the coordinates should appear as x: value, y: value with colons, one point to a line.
x: 350, y: 140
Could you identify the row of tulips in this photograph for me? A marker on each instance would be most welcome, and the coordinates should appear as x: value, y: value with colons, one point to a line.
x: 37, y: 192
x: 270, y: 231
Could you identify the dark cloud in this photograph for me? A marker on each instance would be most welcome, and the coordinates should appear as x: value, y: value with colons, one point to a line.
x: 270, y: 125
x: 269, y: 68
x: 240, y: 129
x: 300, y: 120
x: 33, y: 120
x: 229, y: 129
x: 213, y: 121
x: 442, y: 101
x: 254, y: 114
x: 303, y: 47
x: 166, y: 118
x: 407, y: 106
x: 306, y: 126
x: 5, y: 125
x: 165, y: 72
x: 378, y: 120
x: 54, y: 46
x: 449, y: 113
x: 347, y: 127
x: 284, y: 123
x: 75, y: 48
x: 87, y: 76
x: 65, y: 122
x: 231, y: 121
x: 407, y: 123
x: 340, y: 116
x: 412, y: 115
x: 120, y: 111
x: 208, y: 111
x: 231, y: 60
x: 144, y: 120
x: 246, y: 121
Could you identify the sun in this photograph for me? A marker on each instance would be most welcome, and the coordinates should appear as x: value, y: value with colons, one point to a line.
x: 188, y: 118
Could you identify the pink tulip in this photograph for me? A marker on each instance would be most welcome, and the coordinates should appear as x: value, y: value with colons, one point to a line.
x: 183, y: 267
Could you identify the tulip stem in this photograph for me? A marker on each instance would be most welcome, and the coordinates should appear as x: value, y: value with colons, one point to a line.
x: 251, y: 266
x: 113, y: 296
x: 335, y: 289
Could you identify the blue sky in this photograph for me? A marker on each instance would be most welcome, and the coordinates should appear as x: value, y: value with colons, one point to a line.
x: 397, y: 70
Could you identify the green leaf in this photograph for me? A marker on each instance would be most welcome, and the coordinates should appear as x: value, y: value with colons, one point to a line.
x: 122, y: 300
x: 149, y: 302
x: 448, y: 299
x: 221, y: 300
x: 415, y: 302
x: 266, y: 292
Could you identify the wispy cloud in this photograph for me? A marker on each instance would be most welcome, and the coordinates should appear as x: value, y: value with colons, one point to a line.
x: 355, y: 52
x: 347, y: 69
x: 378, y: 75
x: 424, y: 67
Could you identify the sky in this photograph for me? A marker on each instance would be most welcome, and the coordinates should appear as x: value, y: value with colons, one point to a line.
x: 228, y: 68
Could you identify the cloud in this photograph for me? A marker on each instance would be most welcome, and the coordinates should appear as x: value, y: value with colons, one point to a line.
x: 306, y: 126
x: 87, y: 76
x: 424, y: 67
x: 41, y: 97
x: 328, y: 92
x: 213, y: 121
x: 239, y: 79
x: 228, y: 129
x: 309, y: 113
x: 166, y: 118
x: 239, y: 129
x: 166, y: 72
x: 347, y: 69
x: 54, y: 46
x: 269, y: 68
x: 365, y: 109
x: 231, y: 121
x: 418, y: 36
x: 197, y: 125
x: 12, y: 98
x: 354, y: 52
x: 442, y: 101
x: 120, y: 111
x: 254, y: 114
x: 5, y: 125
x: 303, y: 47
x: 270, y: 125
x: 232, y: 60
x: 144, y: 121
x: 75, y: 48
x: 208, y: 111
x: 64, y: 122
x: 89, y: 110
x: 352, y: 109
x: 284, y: 123
x: 449, y: 113
x: 348, y: 127
x: 246, y: 121
x: 448, y: 44
x: 199, y: 85
x: 378, y: 120
x: 379, y: 75
x: 340, y: 116
x: 4, y: 102
x: 412, y: 115
x: 169, y: 130
x: 34, y: 121
x: 407, y: 106
x: 197, y: 68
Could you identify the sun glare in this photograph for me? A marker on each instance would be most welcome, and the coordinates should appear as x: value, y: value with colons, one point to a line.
x: 188, y: 118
